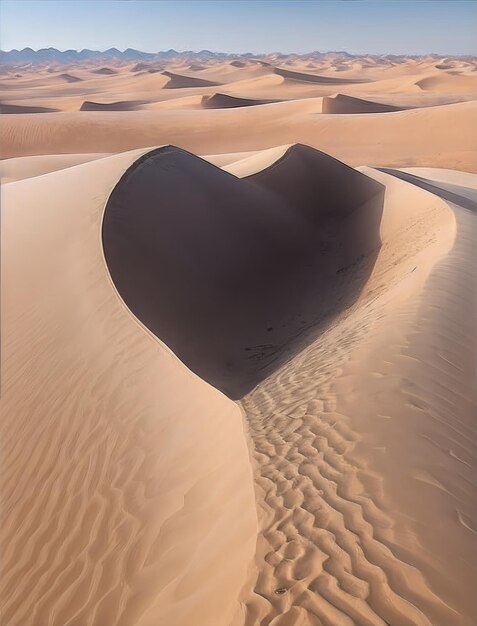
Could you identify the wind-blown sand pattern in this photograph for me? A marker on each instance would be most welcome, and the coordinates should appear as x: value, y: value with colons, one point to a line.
x: 238, y: 342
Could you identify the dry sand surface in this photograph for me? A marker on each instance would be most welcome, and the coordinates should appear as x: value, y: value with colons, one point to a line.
x: 238, y: 364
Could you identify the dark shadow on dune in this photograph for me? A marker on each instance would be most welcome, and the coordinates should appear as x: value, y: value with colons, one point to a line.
x: 315, y: 78
x: 105, y: 71
x: 446, y: 191
x: 69, y: 78
x: 347, y: 105
x: 178, y: 81
x: 224, y: 101
x: 237, y: 275
x: 126, y: 105
x: 14, y: 109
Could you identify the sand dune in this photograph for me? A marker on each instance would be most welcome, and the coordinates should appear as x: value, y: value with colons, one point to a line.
x: 335, y: 305
x: 105, y: 71
x: 254, y: 289
x: 225, y: 101
x: 313, y: 78
x: 433, y: 136
x: 110, y: 515
x: 127, y: 105
x: 69, y: 78
x: 449, y: 83
x: 357, y: 450
x: 178, y: 81
x: 15, y: 109
x: 341, y: 103
x: 29, y: 167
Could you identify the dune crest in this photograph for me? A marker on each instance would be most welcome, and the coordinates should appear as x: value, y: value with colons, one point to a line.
x: 178, y: 81
x: 127, y: 105
x: 289, y: 234
x: 314, y: 78
x: 226, y: 101
x: 16, y: 109
x: 341, y: 103
x: 115, y: 503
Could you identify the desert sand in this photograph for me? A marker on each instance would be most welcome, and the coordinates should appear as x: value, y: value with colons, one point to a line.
x: 238, y: 368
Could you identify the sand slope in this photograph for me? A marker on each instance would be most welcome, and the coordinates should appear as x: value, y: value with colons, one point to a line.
x: 126, y: 105
x: 341, y: 103
x: 28, y: 167
x: 117, y: 462
x: 433, y: 136
x: 178, y: 81
x: 364, y: 444
x: 225, y: 101
x: 337, y: 306
x: 313, y: 78
x: 286, y: 237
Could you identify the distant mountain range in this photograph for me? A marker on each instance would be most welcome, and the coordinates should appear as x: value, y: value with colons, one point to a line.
x: 48, y: 55
x: 52, y: 55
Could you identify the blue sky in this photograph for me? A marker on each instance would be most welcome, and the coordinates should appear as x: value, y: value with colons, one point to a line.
x: 357, y: 26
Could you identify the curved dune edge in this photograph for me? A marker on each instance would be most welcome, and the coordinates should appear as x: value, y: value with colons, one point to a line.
x: 356, y: 449
x: 15, y: 109
x: 117, y: 505
x: 20, y: 168
x: 226, y: 101
x: 341, y: 103
x: 315, y: 78
x: 307, y: 220
x: 124, y: 105
x: 178, y: 81
x: 70, y: 78
x: 431, y: 137
x: 105, y: 71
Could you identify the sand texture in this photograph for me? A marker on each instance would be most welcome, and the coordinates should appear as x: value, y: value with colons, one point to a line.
x: 238, y: 359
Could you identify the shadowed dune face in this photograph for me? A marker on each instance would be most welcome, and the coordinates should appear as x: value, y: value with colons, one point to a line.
x: 19, y: 108
x: 127, y: 105
x: 177, y: 81
x: 105, y: 71
x: 215, y: 265
x: 451, y: 193
x: 348, y: 105
x: 69, y: 78
x: 313, y: 78
x: 224, y: 101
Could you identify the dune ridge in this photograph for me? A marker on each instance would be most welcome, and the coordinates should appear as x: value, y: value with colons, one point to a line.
x: 225, y: 101
x: 314, y: 78
x: 15, y: 109
x: 178, y: 81
x: 307, y: 220
x: 433, y: 137
x: 341, y: 103
x: 126, y: 105
x: 342, y: 539
x: 109, y: 515
x: 238, y: 366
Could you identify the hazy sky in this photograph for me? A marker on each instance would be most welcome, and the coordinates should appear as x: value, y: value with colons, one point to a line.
x: 384, y: 26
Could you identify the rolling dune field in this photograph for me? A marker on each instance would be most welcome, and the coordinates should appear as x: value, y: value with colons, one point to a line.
x: 238, y: 373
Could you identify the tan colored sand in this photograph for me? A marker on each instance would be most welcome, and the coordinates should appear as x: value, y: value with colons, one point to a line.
x: 435, y: 136
x: 364, y: 443
x: 129, y: 496
x: 117, y: 462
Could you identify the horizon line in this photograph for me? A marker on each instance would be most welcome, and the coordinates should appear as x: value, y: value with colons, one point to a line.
x: 248, y: 52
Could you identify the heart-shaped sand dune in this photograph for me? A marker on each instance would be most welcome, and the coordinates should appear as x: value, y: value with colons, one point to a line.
x: 215, y: 266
